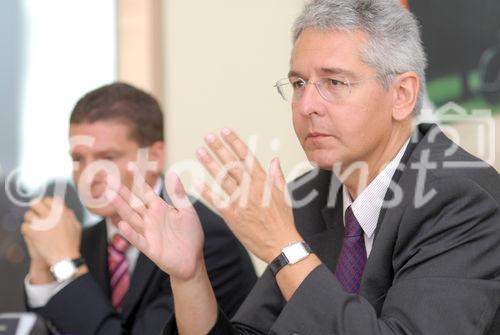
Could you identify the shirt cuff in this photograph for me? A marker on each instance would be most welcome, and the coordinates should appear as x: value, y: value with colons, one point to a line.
x: 39, y: 295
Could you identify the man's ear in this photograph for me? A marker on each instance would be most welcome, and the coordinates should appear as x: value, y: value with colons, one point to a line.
x: 406, y: 87
x: 157, y: 155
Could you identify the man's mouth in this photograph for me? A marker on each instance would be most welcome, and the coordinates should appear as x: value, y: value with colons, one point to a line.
x: 317, y: 135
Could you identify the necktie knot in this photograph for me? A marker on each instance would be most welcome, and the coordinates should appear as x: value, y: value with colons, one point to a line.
x: 119, y: 243
x: 352, y: 226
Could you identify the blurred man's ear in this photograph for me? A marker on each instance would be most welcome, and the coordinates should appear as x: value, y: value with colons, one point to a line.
x: 157, y: 154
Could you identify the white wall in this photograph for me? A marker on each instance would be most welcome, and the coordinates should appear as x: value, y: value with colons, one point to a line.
x: 222, y: 60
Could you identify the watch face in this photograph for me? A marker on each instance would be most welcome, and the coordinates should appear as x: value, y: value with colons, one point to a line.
x: 295, y: 252
x: 63, y: 270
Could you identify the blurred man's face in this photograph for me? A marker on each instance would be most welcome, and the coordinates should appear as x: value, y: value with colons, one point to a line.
x: 350, y: 129
x: 102, y: 148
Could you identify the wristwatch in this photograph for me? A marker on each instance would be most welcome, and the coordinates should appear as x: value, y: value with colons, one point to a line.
x: 66, y: 268
x: 291, y: 254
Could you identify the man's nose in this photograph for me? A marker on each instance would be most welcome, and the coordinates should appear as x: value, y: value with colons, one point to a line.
x: 90, y: 171
x: 310, y: 102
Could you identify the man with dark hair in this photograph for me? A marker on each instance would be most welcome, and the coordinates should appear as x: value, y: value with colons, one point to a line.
x: 125, y: 103
x: 92, y: 281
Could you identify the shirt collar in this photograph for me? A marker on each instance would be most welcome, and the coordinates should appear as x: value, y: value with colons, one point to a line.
x: 368, y: 204
x: 111, y: 229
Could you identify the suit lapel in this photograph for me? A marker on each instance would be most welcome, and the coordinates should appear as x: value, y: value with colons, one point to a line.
x: 329, y: 243
x: 140, y: 279
x: 94, y: 250
x: 320, y: 222
x: 378, y: 274
x: 416, y: 136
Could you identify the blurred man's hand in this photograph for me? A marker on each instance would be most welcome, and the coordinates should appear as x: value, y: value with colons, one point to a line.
x: 52, y: 233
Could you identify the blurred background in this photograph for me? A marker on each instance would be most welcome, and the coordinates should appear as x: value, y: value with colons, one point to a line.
x: 211, y: 64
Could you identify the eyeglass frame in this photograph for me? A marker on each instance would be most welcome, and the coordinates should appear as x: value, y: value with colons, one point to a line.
x: 317, y: 84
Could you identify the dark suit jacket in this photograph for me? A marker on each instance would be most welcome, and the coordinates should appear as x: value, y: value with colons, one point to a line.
x: 13, y: 269
x: 84, y: 306
x: 434, y: 267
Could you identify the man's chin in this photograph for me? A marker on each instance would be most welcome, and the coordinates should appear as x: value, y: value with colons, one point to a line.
x: 322, y: 159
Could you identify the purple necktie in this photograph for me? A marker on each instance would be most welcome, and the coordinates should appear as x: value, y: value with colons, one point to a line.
x: 352, y: 258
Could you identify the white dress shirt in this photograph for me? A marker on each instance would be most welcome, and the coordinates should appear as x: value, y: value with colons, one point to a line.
x: 368, y: 204
x: 38, y: 295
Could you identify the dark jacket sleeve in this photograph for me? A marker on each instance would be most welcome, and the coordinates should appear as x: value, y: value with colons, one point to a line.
x: 82, y: 308
x: 228, y: 264
x: 446, y: 279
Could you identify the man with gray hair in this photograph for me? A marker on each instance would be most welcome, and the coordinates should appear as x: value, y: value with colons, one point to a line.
x: 397, y: 230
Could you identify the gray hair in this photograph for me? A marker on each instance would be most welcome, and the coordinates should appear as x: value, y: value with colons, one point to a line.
x: 394, y: 45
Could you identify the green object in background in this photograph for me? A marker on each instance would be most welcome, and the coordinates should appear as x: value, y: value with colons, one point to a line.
x: 449, y: 88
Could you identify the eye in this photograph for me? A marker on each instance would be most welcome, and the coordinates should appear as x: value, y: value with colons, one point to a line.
x: 336, y: 82
x: 76, y: 159
x: 297, y: 83
x: 108, y: 156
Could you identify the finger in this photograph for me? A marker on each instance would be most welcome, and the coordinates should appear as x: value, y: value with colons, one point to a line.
x: 58, y: 210
x: 124, y: 210
x: 220, y: 174
x: 213, y: 200
x: 229, y: 161
x: 277, y: 177
x: 47, y: 214
x: 56, y: 200
x: 51, y: 202
x: 241, y: 150
x: 135, y: 202
x: 176, y: 192
x: 25, y: 229
x: 41, y: 206
x: 57, y: 205
x: 133, y: 236
x: 140, y: 188
x: 30, y: 216
x: 138, y: 206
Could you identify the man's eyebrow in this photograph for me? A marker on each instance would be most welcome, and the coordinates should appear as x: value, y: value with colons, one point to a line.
x: 325, y: 70
x: 293, y: 73
x: 102, y: 152
x: 336, y: 70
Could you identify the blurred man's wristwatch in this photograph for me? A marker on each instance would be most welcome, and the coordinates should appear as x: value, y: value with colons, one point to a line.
x: 66, y: 268
x: 291, y: 254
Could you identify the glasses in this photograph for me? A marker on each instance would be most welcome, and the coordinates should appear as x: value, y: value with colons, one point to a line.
x: 331, y: 89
